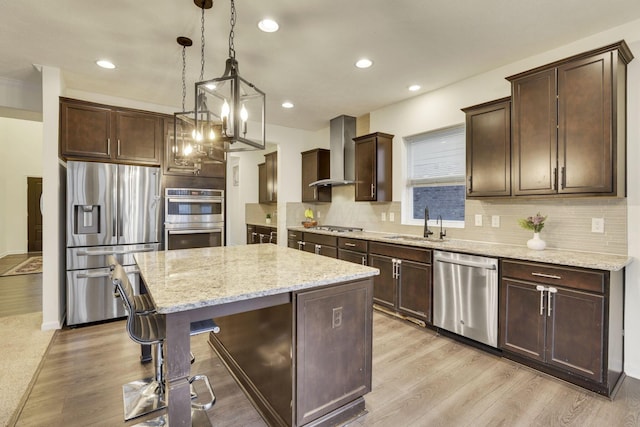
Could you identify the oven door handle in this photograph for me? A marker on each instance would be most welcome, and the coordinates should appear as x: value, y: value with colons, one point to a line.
x: 199, y: 200
x: 195, y: 231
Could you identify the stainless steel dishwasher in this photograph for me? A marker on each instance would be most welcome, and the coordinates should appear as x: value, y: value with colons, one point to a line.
x: 465, y: 295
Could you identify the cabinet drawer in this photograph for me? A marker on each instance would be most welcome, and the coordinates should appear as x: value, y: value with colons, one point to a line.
x: 400, y: 251
x: 352, y: 244
x: 294, y: 235
x: 321, y: 239
x: 577, y: 278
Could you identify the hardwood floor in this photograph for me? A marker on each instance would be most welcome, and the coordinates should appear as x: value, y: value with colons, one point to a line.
x: 19, y: 294
x: 419, y: 379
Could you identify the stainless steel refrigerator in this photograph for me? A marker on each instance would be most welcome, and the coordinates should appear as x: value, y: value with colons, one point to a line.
x: 111, y: 209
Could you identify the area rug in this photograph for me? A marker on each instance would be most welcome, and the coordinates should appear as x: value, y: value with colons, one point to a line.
x: 31, y: 265
x: 23, y: 347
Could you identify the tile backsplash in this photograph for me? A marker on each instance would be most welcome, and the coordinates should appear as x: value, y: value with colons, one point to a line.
x: 568, y: 225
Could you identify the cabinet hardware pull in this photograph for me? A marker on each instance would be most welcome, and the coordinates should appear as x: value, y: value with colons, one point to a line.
x: 373, y: 187
x: 563, y: 178
x: 318, y: 247
x: 300, y: 244
x: 118, y: 147
x: 315, y: 193
x: 364, y: 260
x: 292, y: 235
x: 350, y: 244
x: 548, y: 276
x: 109, y: 147
x: 393, y: 271
x: 470, y: 188
x: 554, y: 185
x: 549, y: 292
x: 541, y: 289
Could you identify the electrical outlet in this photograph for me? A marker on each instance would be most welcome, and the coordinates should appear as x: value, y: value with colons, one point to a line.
x: 495, y: 221
x: 597, y: 225
x: 318, y: 215
x: 478, y: 220
x: 336, y: 320
x: 392, y: 216
x: 383, y: 216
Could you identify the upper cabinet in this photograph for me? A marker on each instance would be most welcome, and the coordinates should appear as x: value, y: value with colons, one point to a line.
x: 488, y: 149
x: 315, y: 166
x: 94, y: 131
x: 268, y: 179
x: 568, y: 123
x: 373, y: 160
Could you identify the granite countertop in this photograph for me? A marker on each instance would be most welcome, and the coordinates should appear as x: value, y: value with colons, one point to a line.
x: 180, y: 280
x: 598, y: 261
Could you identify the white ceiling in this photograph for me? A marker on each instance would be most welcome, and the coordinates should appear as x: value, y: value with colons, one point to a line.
x: 309, y: 61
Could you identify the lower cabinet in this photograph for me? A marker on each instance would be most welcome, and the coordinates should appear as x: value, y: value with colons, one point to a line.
x: 261, y: 234
x: 319, y: 244
x: 565, y: 321
x: 352, y: 250
x: 405, y: 281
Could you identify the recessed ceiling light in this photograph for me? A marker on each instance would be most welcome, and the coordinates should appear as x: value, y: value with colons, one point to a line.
x: 268, y: 25
x: 414, y: 88
x: 364, y: 63
x: 287, y: 104
x: 105, y: 64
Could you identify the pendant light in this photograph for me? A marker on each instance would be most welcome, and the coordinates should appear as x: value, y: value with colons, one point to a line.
x: 232, y: 105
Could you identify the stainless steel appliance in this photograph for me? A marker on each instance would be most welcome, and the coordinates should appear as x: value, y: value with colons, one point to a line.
x: 465, y: 295
x: 194, y: 218
x: 336, y: 228
x: 111, y: 209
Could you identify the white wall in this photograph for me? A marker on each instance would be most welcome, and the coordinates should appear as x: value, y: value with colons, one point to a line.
x: 20, y: 148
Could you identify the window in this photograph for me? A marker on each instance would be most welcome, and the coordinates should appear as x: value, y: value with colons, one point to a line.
x: 435, y: 175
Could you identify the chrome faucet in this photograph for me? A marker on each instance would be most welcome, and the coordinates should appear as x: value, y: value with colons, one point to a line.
x: 443, y: 233
x: 427, y: 232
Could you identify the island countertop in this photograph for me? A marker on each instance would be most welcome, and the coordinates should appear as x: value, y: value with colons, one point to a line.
x: 181, y: 280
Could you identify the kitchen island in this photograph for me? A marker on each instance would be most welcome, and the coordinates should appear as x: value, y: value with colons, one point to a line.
x: 296, y: 327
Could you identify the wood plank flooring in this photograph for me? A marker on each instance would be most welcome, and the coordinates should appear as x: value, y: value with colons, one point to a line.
x: 19, y: 294
x: 419, y: 379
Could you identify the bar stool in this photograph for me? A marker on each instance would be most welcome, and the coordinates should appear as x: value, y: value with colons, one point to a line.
x: 147, y: 395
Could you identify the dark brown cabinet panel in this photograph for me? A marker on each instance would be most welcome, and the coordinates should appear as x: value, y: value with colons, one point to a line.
x: 95, y: 131
x: 85, y: 130
x: 352, y: 250
x: 373, y: 167
x: 261, y: 234
x: 568, y: 122
x: 315, y: 243
x: 405, y: 280
x: 139, y: 137
x: 488, y: 149
x: 263, y: 196
x: 315, y: 166
x: 566, y: 321
x: 271, y: 171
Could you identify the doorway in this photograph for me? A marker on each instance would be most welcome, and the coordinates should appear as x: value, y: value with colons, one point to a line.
x: 34, y: 214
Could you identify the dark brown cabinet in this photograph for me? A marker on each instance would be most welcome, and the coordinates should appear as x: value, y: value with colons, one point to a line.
x: 271, y: 177
x: 263, y: 197
x: 293, y: 239
x: 488, y: 149
x: 320, y: 244
x: 353, y: 250
x: 560, y: 318
x: 404, y: 283
x: 373, y: 167
x: 261, y: 234
x: 94, y: 131
x: 315, y: 166
x: 568, y: 125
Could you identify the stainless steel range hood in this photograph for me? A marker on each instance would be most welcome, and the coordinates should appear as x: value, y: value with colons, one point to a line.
x: 342, y: 130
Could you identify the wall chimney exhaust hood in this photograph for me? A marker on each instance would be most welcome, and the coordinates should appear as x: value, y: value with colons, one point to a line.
x: 342, y: 130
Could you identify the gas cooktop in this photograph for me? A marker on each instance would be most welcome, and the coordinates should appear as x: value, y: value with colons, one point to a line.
x: 336, y: 228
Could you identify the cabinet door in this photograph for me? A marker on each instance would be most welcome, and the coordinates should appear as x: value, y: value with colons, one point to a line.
x: 534, y: 134
x: 251, y: 234
x: 271, y: 162
x: 354, y: 257
x: 522, y: 320
x: 365, y: 169
x: 262, y: 183
x: 384, y: 284
x: 488, y: 141
x: 138, y: 137
x: 84, y: 131
x: 585, y: 140
x: 575, y: 332
x: 414, y: 290
x: 315, y: 166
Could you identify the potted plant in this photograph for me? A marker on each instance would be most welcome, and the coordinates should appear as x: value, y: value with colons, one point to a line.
x: 268, y: 219
x: 309, y: 221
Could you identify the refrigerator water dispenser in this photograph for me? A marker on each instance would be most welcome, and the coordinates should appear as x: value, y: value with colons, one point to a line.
x: 86, y: 219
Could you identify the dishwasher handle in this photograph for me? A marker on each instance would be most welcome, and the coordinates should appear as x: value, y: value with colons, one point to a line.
x: 466, y: 263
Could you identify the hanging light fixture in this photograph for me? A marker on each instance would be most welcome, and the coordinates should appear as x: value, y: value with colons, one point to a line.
x: 232, y: 105
x: 194, y: 143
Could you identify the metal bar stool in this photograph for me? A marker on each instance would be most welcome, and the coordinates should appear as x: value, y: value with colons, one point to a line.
x: 147, y: 395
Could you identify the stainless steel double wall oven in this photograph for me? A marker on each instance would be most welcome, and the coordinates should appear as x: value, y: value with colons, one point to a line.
x: 194, y: 218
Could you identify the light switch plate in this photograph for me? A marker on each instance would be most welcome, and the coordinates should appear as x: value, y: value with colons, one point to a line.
x: 383, y: 216
x: 597, y: 225
x: 478, y: 220
x: 392, y: 216
x: 495, y: 221
x: 318, y: 215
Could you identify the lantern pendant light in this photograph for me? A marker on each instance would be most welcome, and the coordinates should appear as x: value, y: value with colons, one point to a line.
x: 235, y: 106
